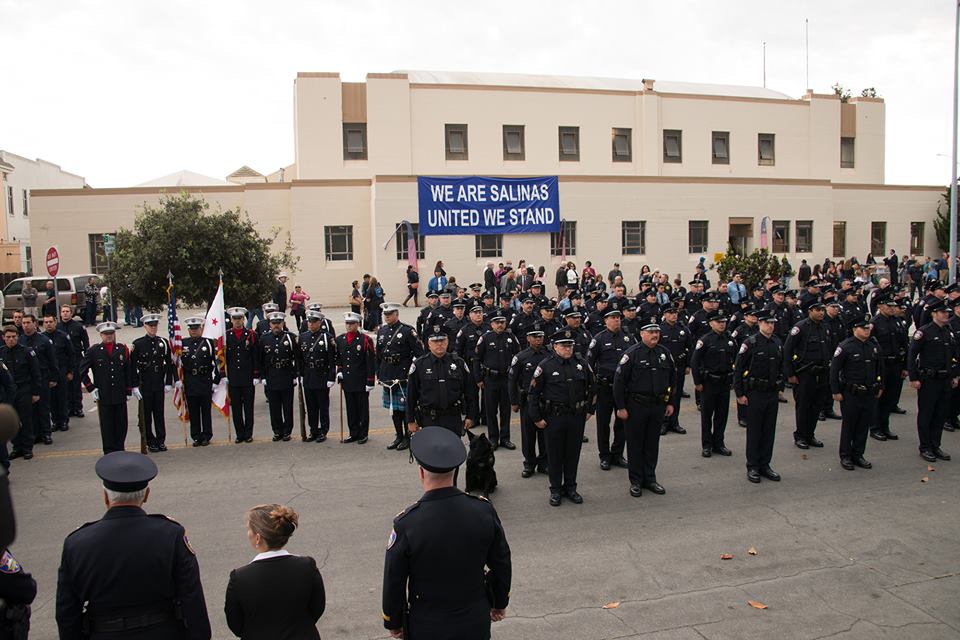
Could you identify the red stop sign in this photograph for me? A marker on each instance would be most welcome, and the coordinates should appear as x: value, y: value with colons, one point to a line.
x: 53, y: 262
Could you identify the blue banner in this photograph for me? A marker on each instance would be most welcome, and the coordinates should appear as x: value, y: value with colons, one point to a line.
x: 474, y: 205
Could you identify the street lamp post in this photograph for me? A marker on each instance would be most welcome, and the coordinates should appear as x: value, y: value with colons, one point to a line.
x: 953, y: 170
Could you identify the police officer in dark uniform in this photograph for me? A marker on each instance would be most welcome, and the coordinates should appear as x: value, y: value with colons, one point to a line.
x: 278, y: 360
x: 932, y: 366
x: 23, y: 366
x: 572, y: 318
x: 198, y: 357
x: 505, y: 308
x: 604, y: 353
x: 777, y: 305
x: 647, y: 313
x: 523, y: 321
x: 243, y: 374
x: 856, y: 381
x: 67, y: 360
x: 454, y: 324
x: 806, y: 365
x: 356, y: 373
x: 890, y: 332
x: 712, y: 367
x: 318, y: 361
x: 631, y: 322
x: 447, y: 570
x: 549, y: 322
x: 17, y: 591
x: 151, y: 373
x: 130, y: 574
x: 747, y: 327
x: 595, y: 322
x: 952, y: 422
x: 464, y: 345
x: 397, y: 347
x: 81, y: 342
x: 836, y: 322
x: 263, y: 327
x: 921, y: 311
x: 109, y: 362
x: 326, y: 325
x: 487, y: 303
x: 439, y: 315
x: 757, y: 383
x: 433, y: 299
x: 534, y: 294
x: 40, y: 344
x: 532, y: 440
x: 494, y: 352
x: 676, y: 337
x: 643, y: 392
x: 438, y: 389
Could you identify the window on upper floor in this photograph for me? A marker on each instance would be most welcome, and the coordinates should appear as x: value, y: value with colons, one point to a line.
x: 455, y: 136
x: 513, y: 142
x: 698, y: 235
x: 622, y: 148
x: 847, y: 153
x: 355, y: 141
x: 720, y: 147
x: 765, y: 149
x: 10, y: 200
x: 569, y: 144
x: 672, y: 145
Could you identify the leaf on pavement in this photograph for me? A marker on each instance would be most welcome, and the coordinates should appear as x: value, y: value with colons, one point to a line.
x: 756, y: 605
x: 752, y: 551
x: 804, y: 456
x: 611, y: 605
x: 930, y: 467
x: 726, y: 556
x: 925, y: 479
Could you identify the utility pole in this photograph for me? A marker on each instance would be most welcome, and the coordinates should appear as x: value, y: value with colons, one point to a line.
x: 953, y: 168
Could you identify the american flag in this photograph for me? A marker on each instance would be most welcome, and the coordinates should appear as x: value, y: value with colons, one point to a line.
x: 176, y: 347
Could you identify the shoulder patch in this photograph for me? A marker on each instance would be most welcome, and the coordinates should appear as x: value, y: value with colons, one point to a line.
x: 186, y: 543
x: 538, y: 372
x: 743, y: 348
x: 917, y: 335
x: 625, y: 359
x: 838, y: 352
x: 593, y: 343
x: 9, y: 564
x: 413, y: 368
x: 470, y: 495
x: 392, y: 538
x: 699, y: 344
x: 513, y: 362
x: 794, y: 331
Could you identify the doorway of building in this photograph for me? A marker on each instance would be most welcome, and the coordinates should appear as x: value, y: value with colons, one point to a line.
x: 741, y: 235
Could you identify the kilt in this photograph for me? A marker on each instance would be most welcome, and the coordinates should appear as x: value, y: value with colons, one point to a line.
x: 395, y: 397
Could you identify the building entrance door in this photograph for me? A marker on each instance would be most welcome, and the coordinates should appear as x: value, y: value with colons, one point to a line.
x: 741, y: 235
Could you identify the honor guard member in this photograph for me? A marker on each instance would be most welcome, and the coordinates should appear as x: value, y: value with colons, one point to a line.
x: 533, y: 442
x: 22, y: 364
x: 561, y: 402
x: 757, y: 383
x: 454, y: 324
x: 932, y: 367
x: 198, y: 357
x: 109, y: 362
x: 81, y: 342
x: 432, y: 300
x: 67, y: 360
x: 318, y: 358
x: 890, y: 332
x: 263, y: 327
x: 397, y: 347
x: 17, y: 591
x: 747, y: 327
x: 856, y: 381
x: 495, y: 351
x: 356, y: 373
x: 837, y: 325
x: 40, y: 344
x: 278, y: 360
x: 604, y: 353
x: 326, y: 324
x: 151, y: 372
x: 130, y: 574
x: 676, y: 337
x: 712, y: 367
x: 572, y: 318
x: 523, y: 321
x: 447, y: 570
x: 243, y: 374
x: 642, y: 394
x: 438, y: 385
x: 806, y: 364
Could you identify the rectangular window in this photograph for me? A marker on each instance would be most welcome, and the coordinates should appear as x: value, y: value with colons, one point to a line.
x: 98, y: 256
x: 633, y: 237
x: 839, y: 239
x: 622, y: 149
x: 420, y: 241
x: 339, y: 242
x: 765, y: 149
x: 878, y: 238
x: 672, y: 145
x: 721, y: 147
x: 26, y: 210
x: 455, y: 136
x: 846, y: 153
x: 570, y: 144
x: 489, y: 245
x: 10, y: 200
x: 804, y: 236
x: 781, y: 236
x: 513, y: 142
x: 916, y: 238
x: 698, y: 236
x: 355, y: 141
x: 564, y: 242
x: 28, y: 254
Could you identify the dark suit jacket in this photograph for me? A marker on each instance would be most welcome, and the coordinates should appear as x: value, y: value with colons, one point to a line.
x: 277, y: 598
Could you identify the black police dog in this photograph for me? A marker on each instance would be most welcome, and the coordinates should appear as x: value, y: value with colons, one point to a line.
x: 481, y: 476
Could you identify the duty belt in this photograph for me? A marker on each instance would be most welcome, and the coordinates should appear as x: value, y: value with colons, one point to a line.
x: 717, y: 376
x: 563, y: 408
x: 435, y: 412
x: 861, y: 389
x: 281, y: 364
x: 756, y: 384
x: 116, y: 625
x: 934, y: 374
x: 200, y: 371
x: 395, y: 360
x: 645, y: 400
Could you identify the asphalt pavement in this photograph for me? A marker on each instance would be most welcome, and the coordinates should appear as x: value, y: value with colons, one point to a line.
x: 824, y: 553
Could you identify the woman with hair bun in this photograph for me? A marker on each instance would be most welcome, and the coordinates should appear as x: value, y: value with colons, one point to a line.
x: 278, y: 596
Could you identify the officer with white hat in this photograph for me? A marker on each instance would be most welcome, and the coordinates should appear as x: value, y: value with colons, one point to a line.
x: 263, y: 327
x: 198, y: 357
x: 356, y: 372
x: 319, y: 372
x: 242, y: 373
x: 151, y: 375
x: 325, y: 323
x: 109, y: 362
x: 279, y: 357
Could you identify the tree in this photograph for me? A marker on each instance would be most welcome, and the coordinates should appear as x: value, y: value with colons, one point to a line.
x: 183, y: 236
x: 869, y: 92
x: 941, y: 224
x: 841, y: 91
x: 754, y: 268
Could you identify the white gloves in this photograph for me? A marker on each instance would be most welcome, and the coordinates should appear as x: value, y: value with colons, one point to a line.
x: 135, y: 392
x: 330, y: 384
x: 167, y: 388
x: 369, y: 388
x: 256, y: 381
x: 95, y: 394
x: 178, y: 384
x: 339, y: 376
x: 296, y: 381
x: 225, y: 380
x: 213, y: 386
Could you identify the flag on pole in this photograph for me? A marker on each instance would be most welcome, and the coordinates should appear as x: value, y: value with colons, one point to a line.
x: 176, y: 347
x: 563, y: 241
x: 411, y: 245
x: 214, y: 327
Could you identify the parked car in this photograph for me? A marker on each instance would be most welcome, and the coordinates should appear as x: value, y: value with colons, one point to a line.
x: 69, y: 291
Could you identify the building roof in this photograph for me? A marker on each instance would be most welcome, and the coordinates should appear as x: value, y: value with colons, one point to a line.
x: 245, y: 172
x: 183, y: 179
x: 579, y: 82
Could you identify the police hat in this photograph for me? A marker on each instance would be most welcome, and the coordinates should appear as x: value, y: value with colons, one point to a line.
x: 432, y: 294
x: 351, y: 317
x: 536, y: 333
x: 237, y: 312
x: 475, y: 307
x: 498, y: 317
x: 476, y: 286
x: 776, y: 289
x: 151, y: 318
x: 950, y: 288
x: 536, y: 285
x: 316, y: 306
x: 862, y: 321
x: 126, y: 471
x: 195, y: 321
x: 437, y: 449
x: 766, y: 315
x: 506, y: 295
x: 437, y: 334
x: 548, y: 306
x: 693, y: 282
x: 629, y: 307
x: 459, y: 304
x: 270, y: 306
x: 887, y: 300
x: 564, y: 336
x: 652, y: 326
x: 526, y: 300
x: 390, y: 307
x: 446, y: 294
x: 750, y: 310
x: 107, y: 327
x: 277, y: 316
x: 572, y: 312
x: 314, y: 316
x: 487, y: 294
x: 939, y: 305
x: 934, y: 285
x: 832, y: 302
x: 576, y: 293
x: 827, y: 288
x: 790, y: 293
x: 709, y: 297
x: 812, y: 282
x: 613, y: 313
x: 812, y: 303
x: 669, y: 307
x: 757, y: 287
x: 716, y: 316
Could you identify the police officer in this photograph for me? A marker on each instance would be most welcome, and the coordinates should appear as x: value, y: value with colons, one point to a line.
x: 198, y: 357
x: 932, y: 367
x: 572, y: 317
x: 130, y: 574
x: 560, y: 401
x: 326, y: 324
x: 921, y: 311
x: 278, y: 358
x: 356, y: 373
x: 40, y: 344
x: 454, y: 324
x: 777, y: 305
x: 712, y: 367
x: 747, y: 327
x: 447, y: 570
x: 318, y: 361
x: 524, y: 321
x: 549, y: 323
x: 806, y: 364
x: 506, y: 308
x: 676, y: 337
x: 465, y: 346
x: 642, y: 392
x: 596, y: 321
x: 837, y: 323
x: 109, y: 362
x: 603, y: 354
x: 66, y: 359
x: 263, y: 326
x: 17, y: 591
x: 243, y: 374
x: 433, y: 298
x: 890, y: 332
x: 439, y: 315
x: 75, y: 330
x: 25, y: 369
x: 856, y: 381
x: 632, y: 323
x: 494, y: 352
x: 532, y: 440
x: 438, y: 386
x: 757, y: 383
x: 151, y: 374
x: 646, y: 313
x: 397, y: 347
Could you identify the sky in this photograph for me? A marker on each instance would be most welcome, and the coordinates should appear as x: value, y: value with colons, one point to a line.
x: 123, y: 92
